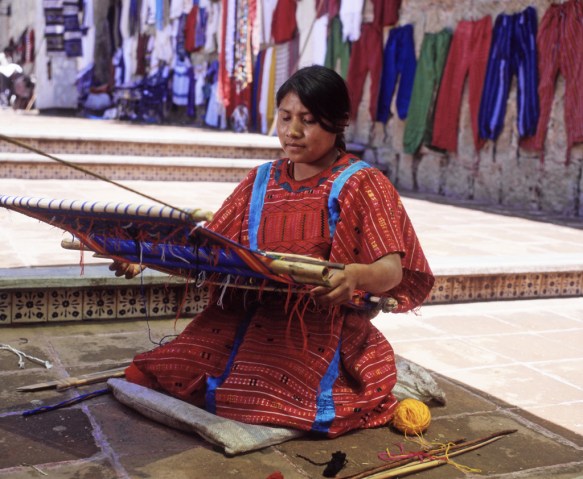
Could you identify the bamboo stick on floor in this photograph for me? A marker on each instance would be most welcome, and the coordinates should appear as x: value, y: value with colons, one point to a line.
x: 437, y: 457
x: 62, y: 384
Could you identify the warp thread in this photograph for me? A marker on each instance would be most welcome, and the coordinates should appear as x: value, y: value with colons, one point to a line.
x: 411, y: 417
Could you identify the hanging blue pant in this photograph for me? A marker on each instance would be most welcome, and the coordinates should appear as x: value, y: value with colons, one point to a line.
x: 513, y: 52
x: 398, y: 59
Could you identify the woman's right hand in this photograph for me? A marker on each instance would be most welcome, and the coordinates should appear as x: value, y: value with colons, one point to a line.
x: 129, y: 270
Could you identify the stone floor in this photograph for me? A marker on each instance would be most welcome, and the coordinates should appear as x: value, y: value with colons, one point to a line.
x: 100, y: 438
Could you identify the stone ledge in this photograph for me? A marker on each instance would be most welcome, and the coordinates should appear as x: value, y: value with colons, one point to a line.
x: 506, y: 286
x: 76, y: 277
x: 506, y: 264
x: 53, y: 294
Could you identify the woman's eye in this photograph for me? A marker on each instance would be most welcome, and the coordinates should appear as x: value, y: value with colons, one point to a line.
x: 309, y: 121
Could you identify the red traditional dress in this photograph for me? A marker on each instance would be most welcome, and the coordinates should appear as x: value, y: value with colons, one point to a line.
x: 283, y: 361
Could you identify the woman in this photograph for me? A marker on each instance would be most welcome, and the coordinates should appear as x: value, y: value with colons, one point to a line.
x: 309, y: 362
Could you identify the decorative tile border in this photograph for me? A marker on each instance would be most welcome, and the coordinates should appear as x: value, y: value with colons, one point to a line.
x: 30, y: 306
x: 157, y: 301
x: 65, y: 304
x: 5, y: 307
x: 456, y: 289
x: 100, y: 303
x: 56, y: 171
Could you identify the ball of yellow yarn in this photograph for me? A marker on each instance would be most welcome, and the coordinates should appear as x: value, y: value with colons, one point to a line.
x: 411, y: 416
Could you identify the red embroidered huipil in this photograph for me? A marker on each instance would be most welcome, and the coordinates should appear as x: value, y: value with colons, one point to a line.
x: 283, y: 361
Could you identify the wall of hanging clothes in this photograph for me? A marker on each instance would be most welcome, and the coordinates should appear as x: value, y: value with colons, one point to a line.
x: 473, y: 99
x: 477, y: 99
x: 495, y: 111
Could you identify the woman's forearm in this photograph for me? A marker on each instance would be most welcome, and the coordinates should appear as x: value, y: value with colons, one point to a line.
x: 380, y: 276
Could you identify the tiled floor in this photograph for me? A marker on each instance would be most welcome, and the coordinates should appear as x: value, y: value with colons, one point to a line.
x: 526, y: 353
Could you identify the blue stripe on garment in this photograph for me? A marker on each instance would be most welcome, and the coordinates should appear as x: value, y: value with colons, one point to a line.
x: 333, y: 207
x: 257, y: 199
x: 326, y: 410
x: 214, y: 382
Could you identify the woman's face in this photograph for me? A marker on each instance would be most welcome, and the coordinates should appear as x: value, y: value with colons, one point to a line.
x: 302, y: 138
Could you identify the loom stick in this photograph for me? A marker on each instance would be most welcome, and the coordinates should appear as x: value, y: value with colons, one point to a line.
x: 302, y: 272
x: 62, y: 384
x: 98, y: 378
x: 438, y: 457
x: 384, y: 304
x: 315, y: 272
x: 304, y: 259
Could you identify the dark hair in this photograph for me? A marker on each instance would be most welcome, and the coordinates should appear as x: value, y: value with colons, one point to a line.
x: 325, y: 94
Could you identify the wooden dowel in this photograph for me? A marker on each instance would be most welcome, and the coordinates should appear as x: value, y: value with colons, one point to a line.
x: 62, y: 384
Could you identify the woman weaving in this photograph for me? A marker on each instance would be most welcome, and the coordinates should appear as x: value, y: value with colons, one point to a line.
x: 309, y: 362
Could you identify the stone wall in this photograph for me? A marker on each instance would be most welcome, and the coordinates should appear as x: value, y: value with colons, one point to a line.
x: 502, y: 173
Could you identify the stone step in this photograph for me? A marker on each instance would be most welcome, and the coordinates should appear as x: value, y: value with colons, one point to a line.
x: 54, y: 294
x: 127, y: 167
x: 143, y: 166
x: 112, y: 139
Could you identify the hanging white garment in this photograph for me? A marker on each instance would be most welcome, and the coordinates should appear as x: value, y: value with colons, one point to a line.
x: 181, y: 81
x: 179, y: 7
x: 351, y: 18
x: 163, y: 52
x: 267, y: 9
x: 313, y: 34
x: 282, y: 64
x: 213, y: 9
x: 88, y: 39
x: 199, y: 78
x: 216, y: 115
x: 264, y: 94
x: 129, y: 44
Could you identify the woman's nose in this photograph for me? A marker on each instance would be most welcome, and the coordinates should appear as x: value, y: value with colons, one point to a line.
x: 294, y: 129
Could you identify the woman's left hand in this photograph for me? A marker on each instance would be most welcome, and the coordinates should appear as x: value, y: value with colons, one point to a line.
x: 376, y: 278
x: 342, y: 285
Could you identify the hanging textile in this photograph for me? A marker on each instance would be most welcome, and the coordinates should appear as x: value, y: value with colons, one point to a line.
x: 72, y: 35
x: 513, y: 52
x: 559, y: 40
x: 337, y: 50
x: 351, y: 17
x: 399, y: 64
x: 181, y: 79
x: 54, y: 26
x: 284, y: 26
x: 468, y: 55
x: 366, y: 57
x: 419, y: 125
x: 313, y: 32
